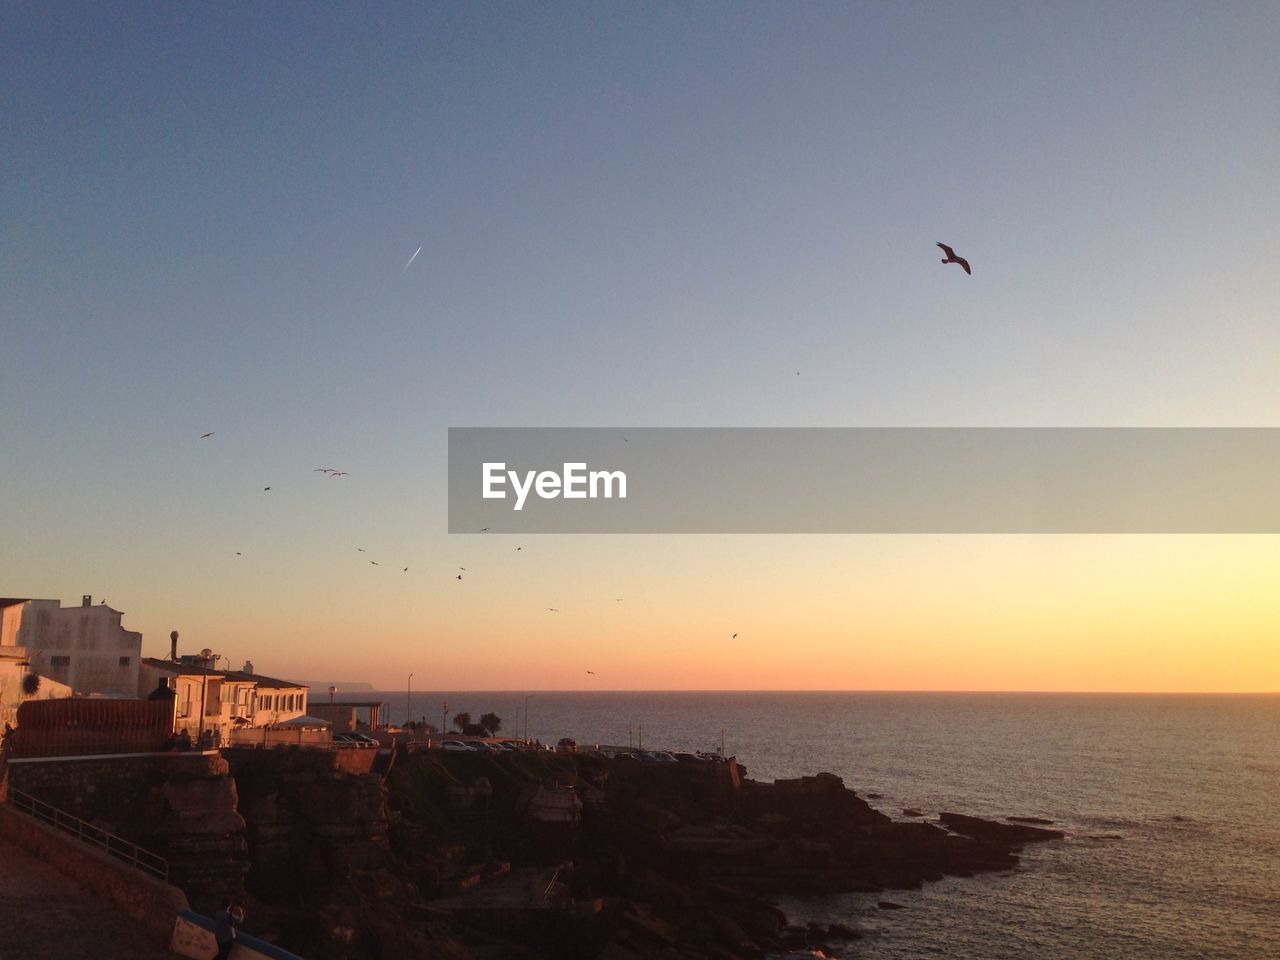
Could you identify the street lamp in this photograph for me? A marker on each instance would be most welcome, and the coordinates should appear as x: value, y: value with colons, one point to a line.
x: 408, y: 693
x: 444, y: 719
x: 205, y: 655
x: 332, y: 691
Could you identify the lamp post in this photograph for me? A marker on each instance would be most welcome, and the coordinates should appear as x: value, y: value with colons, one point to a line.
x: 205, y: 656
x: 408, y: 694
x: 332, y: 691
x: 527, y: 698
x: 444, y: 719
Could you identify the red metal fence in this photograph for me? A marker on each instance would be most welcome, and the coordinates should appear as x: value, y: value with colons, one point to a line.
x: 74, y: 726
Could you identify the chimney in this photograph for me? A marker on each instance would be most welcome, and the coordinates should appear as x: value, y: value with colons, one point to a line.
x: 86, y: 601
x: 173, y: 645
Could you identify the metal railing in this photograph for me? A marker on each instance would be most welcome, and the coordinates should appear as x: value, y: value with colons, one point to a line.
x: 546, y: 894
x: 119, y: 847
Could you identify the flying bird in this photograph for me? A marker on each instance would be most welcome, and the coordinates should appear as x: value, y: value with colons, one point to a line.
x: 406, y: 569
x: 265, y: 489
x: 734, y: 637
x: 952, y: 258
x: 519, y: 548
x: 338, y: 473
x: 411, y: 259
x: 592, y: 672
x: 206, y: 436
x: 459, y: 576
x: 375, y: 563
x: 359, y: 549
x: 483, y: 529
x: 239, y: 554
x: 553, y: 609
x: 323, y: 470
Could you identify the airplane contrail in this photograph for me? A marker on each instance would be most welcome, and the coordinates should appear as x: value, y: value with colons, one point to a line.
x: 411, y: 259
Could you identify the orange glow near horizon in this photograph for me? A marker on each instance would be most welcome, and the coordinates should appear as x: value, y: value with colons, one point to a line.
x: 1082, y: 613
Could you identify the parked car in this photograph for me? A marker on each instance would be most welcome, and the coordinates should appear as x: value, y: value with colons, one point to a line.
x: 661, y: 756
x: 345, y: 738
x: 457, y: 746
x: 566, y: 745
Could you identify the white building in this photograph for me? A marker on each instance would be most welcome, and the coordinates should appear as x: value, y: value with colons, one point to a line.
x: 221, y: 700
x: 83, y: 647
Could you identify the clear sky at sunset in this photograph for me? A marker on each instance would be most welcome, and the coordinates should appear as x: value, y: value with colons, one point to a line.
x: 629, y: 215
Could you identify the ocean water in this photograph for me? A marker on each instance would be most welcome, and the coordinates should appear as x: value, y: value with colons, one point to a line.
x: 1171, y: 805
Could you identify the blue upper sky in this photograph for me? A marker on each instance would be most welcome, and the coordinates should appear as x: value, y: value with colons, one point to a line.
x: 629, y: 214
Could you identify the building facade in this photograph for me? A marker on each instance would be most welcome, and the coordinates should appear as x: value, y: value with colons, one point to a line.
x: 83, y: 647
x: 221, y: 700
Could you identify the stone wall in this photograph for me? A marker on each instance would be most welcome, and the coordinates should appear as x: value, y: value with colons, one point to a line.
x: 181, y: 806
x: 151, y: 903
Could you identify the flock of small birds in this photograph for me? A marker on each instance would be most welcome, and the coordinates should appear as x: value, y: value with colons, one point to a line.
x: 334, y: 473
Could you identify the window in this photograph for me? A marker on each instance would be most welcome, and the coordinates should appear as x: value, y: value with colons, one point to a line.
x: 60, y: 661
x: 124, y: 661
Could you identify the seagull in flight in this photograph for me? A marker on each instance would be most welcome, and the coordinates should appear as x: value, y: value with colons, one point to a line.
x: 553, y: 609
x: 265, y: 489
x: 375, y: 563
x: 206, y: 436
x: 459, y: 576
x: 952, y: 258
x: 411, y: 259
x: 734, y: 637
x: 592, y: 672
x: 359, y: 549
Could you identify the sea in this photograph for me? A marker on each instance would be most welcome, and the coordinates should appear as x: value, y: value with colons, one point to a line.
x: 1171, y: 805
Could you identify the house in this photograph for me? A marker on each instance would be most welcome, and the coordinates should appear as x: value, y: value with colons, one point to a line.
x: 83, y: 647
x: 221, y: 700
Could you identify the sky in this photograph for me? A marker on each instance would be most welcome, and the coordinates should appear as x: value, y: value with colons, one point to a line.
x: 642, y: 214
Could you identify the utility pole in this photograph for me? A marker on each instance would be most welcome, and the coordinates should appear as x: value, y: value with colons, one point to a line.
x: 444, y: 718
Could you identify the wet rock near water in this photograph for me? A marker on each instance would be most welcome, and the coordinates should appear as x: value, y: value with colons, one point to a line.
x: 996, y: 832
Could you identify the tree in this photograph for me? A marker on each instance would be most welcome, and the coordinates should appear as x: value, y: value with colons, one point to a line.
x: 462, y: 720
x: 31, y: 684
x: 491, y: 723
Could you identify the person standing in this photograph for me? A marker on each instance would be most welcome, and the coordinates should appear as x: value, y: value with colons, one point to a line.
x: 225, y: 922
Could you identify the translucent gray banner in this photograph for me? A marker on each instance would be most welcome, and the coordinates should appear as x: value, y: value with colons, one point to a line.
x: 863, y: 480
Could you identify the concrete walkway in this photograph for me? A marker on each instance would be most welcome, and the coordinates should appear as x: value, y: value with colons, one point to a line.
x: 47, y: 915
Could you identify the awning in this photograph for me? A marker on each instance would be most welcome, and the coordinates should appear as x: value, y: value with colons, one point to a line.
x: 305, y: 723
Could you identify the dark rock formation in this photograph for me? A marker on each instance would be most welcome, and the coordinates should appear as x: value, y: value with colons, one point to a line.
x: 995, y: 832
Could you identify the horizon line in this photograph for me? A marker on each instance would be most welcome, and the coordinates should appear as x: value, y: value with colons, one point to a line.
x: 1099, y: 693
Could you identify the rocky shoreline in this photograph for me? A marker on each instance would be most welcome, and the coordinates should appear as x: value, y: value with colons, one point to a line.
x: 676, y: 861
x: 523, y: 855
